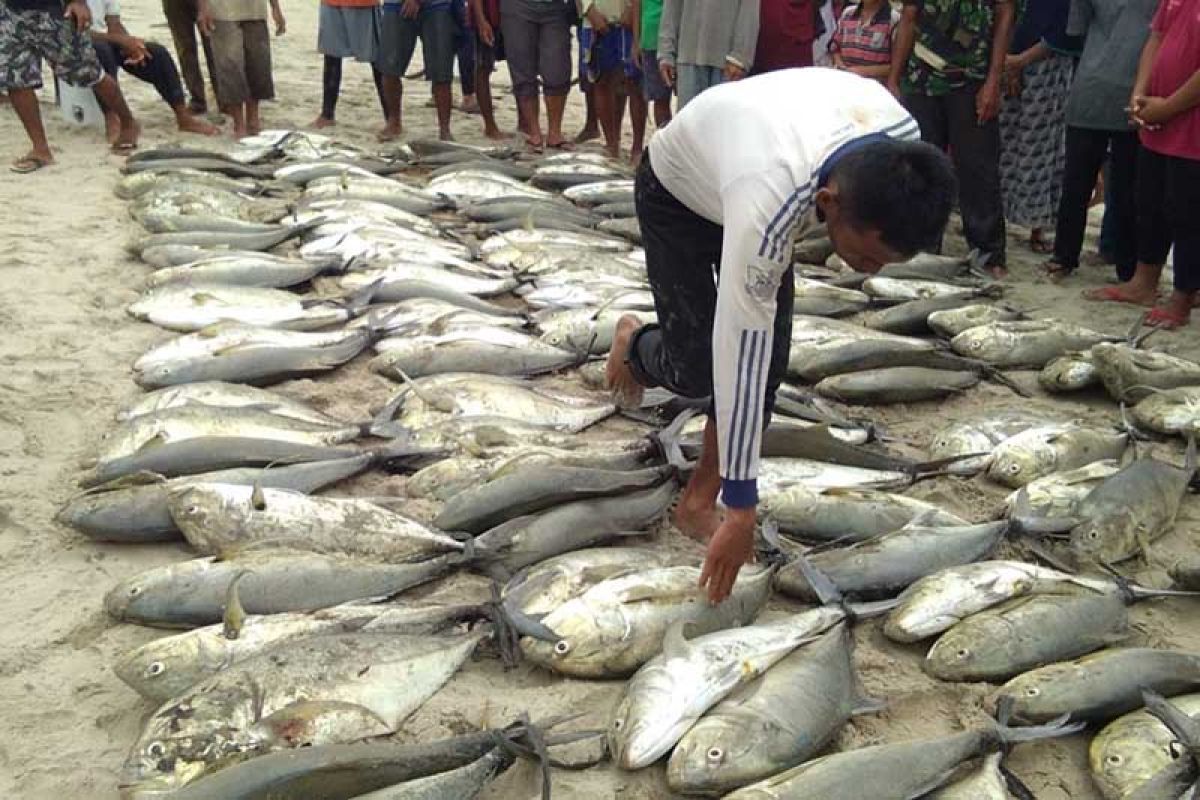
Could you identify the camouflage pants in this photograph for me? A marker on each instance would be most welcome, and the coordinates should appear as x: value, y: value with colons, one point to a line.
x: 683, y: 257
x: 27, y: 37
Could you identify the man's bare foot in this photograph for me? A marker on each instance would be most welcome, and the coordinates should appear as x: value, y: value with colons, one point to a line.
x: 627, y: 392
x: 998, y: 271
x: 322, y: 121
x: 1124, y: 293
x: 495, y: 134
x: 696, y: 520
x: 469, y: 104
x: 391, y: 132
x: 190, y: 124
x: 127, y: 138
x: 445, y: 135
x: 112, y: 128
x: 587, y: 134
x: 635, y: 156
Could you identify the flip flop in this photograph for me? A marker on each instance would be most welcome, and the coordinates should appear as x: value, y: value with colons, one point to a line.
x: 124, y: 147
x: 1160, y: 317
x: 27, y: 164
x: 563, y: 146
x: 1056, y: 271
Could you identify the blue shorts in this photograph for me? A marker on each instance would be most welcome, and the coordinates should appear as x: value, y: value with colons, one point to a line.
x: 599, y: 55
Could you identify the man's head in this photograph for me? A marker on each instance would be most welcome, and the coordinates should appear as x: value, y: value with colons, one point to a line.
x: 886, y: 201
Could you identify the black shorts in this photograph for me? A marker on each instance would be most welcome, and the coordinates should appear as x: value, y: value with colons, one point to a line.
x: 436, y: 28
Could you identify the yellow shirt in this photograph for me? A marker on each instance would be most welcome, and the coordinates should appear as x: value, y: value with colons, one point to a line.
x: 613, y: 10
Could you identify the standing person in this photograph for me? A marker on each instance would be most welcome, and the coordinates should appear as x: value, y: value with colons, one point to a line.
x: 862, y: 41
x: 489, y: 48
x: 606, y: 56
x: 1114, y: 32
x: 147, y: 61
x: 786, y: 32
x: 33, y: 30
x: 183, y: 20
x: 1033, y: 118
x: 1165, y: 105
x: 405, y: 21
x: 702, y: 43
x: 241, y: 45
x: 728, y: 184
x: 646, y: 17
x: 346, y: 29
x: 948, y: 64
x: 465, y: 56
x: 537, y: 42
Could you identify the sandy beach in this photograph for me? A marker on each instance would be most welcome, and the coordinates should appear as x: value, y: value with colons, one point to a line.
x: 64, y: 369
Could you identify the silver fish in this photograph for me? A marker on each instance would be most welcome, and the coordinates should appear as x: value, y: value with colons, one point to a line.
x: 1024, y: 343
x: 948, y: 323
x: 1039, y: 451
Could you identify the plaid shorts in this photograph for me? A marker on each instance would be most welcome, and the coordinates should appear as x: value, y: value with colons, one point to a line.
x: 27, y: 37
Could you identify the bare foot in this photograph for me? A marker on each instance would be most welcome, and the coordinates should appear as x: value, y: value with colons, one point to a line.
x: 613, y: 152
x: 587, y: 135
x: 495, y: 134
x: 998, y: 271
x: 1124, y: 293
x: 627, y: 392
x: 127, y: 139
x: 635, y: 156
x: 694, y: 520
x: 112, y: 128
x: 469, y: 105
x: 254, y: 128
x: 391, y: 132
x: 445, y: 135
x: 189, y: 124
x: 322, y: 122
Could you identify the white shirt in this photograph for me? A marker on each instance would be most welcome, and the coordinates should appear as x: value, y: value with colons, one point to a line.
x: 747, y: 155
x: 101, y: 10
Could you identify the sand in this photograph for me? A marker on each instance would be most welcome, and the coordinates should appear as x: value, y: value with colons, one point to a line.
x: 64, y: 283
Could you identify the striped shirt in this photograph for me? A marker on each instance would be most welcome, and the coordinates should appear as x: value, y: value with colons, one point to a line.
x: 865, y: 42
x: 748, y: 156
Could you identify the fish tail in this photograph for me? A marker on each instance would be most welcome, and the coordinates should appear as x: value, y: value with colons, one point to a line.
x: 1062, y: 726
x: 827, y: 592
x: 1184, y: 727
x: 668, y: 438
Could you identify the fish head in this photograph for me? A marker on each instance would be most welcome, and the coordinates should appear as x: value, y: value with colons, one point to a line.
x: 1109, y: 538
x: 209, y: 512
x: 962, y: 654
x: 649, y: 720
x: 1015, y: 467
x: 581, y: 648
x: 159, y: 373
x: 720, y: 753
x: 169, y: 666
x: 1128, y: 752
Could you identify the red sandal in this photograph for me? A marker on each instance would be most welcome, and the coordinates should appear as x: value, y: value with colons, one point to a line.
x: 1161, y: 317
x: 1111, y: 294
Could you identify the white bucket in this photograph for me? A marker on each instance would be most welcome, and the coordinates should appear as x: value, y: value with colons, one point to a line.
x: 78, y: 105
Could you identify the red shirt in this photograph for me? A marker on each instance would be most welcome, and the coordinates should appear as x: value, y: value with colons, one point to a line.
x: 1178, y: 23
x: 786, y: 31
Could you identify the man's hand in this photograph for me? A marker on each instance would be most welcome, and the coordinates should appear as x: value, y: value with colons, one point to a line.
x: 279, y: 20
x: 987, y: 101
x: 204, y: 19
x: 730, y: 547
x: 134, y: 50
x: 668, y: 73
x: 1151, y: 112
x: 733, y: 72
x: 893, y: 86
x: 598, y: 20
x: 79, y: 12
x: 410, y: 9
x: 486, y: 34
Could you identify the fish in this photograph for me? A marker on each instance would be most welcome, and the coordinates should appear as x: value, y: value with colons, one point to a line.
x: 304, y: 173
x: 1028, y: 632
x: 321, y: 690
x: 814, y: 249
x: 1179, y: 780
x: 528, y: 239
x: 885, y: 565
x: 897, y: 771
x: 393, y: 284
x: 1100, y: 686
x: 133, y: 186
x: 948, y: 323
x: 539, y: 589
x: 226, y: 395
x: 911, y: 318
x: 520, y: 172
x: 777, y: 473
x: 232, y: 352
x: 504, y: 208
x: 1039, y: 451
x: 781, y: 719
x: 429, y: 147
x: 177, y: 255
x: 847, y: 514
x: 601, y: 192
x: 519, y: 489
x: 167, y: 667
x: 462, y: 783
x: 895, y: 385
x: 378, y: 190
x: 1186, y: 573
x: 485, y: 350
x: 817, y: 298
x: 220, y: 519
x: 529, y: 539
x: 1070, y: 372
x: 261, y: 270
x: 985, y: 782
x: 192, y: 593
x: 1133, y: 748
x: 469, y: 185
x: 623, y: 210
x: 208, y: 163
x: 188, y: 308
x: 134, y: 509
x: 563, y: 176
x: 980, y: 436
x: 193, y: 439
x: 1174, y: 412
x: 1024, y: 343
x: 339, y: 210
x: 1130, y: 374
x: 939, y: 601
x: 616, y: 625
x: 209, y: 239
x: 584, y: 330
x: 823, y: 347
x: 933, y: 267
x: 674, y: 689
x: 899, y: 290
x: 170, y: 220
x: 1057, y: 494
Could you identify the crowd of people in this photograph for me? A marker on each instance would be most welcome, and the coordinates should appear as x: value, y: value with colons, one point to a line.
x: 1033, y: 99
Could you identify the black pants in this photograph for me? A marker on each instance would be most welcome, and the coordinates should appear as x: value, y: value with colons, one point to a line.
x: 683, y: 257
x: 181, y: 20
x: 1086, y: 151
x: 1168, y: 213
x: 331, y: 86
x: 949, y: 122
x: 158, y: 70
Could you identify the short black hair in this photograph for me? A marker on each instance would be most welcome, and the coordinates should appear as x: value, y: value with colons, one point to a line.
x: 903, y: 189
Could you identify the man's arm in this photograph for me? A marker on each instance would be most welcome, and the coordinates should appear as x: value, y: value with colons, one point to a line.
x: 902, y: 47
x: 635, y: 12
x: 987, y: 100
x: 668, y: 37
x: 482, y: 26
x: 740, y: 57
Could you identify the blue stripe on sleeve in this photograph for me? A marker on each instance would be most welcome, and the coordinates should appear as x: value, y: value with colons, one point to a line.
x: 738, y: 462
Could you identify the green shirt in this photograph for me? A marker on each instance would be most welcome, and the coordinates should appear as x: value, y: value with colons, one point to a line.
x: 958, y: 33
x: 651, y: 14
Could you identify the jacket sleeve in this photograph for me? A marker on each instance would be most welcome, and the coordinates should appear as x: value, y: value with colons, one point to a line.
x: 668, y: 31
x: 745, y: 34
x: 1079, y: 18
x: 759, y: 219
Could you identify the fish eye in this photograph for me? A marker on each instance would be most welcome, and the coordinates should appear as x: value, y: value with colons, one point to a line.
x: 1033, y: 691
x: 1115, y: 760
x: 963, y: 653
x: 1093, y: 535
x: 155, y: 750
x: 562, y: 647
x: 715, y: 755
x: 193, y: 509
x: 1013, y: 469
x: 155, y: 668
x: 134, y: 591
x: 618, y: 723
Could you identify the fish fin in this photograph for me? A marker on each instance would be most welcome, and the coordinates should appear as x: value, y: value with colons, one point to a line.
x: 1184, y: 727
x: 258, y: 498
x: 1016, y: 787
x: 1131, y: 336
x: 154, y: 441
x: 303, y: 715
x: 234, y: 616
x: 827, y: 592
x: 770, y: 545
x: 239, y: 347
x: 383, y: 424
x: 668, y: 438
x: 675, y: 643
x: 925, y: 519
x: 868, y: 705
x: 140, y: 478
x: 1062, y: 726
x: 861, y: 611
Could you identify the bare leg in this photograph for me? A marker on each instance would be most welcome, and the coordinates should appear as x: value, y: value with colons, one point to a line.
x: 25, y: 103
x: 483, y: 93
x: 112, y: 127
x: 533, y: 126
x: 556, y: 106
x: 662, y: 113
x: 237, y: 113
x: 444, y: 102
x: 618, y: 376
x: 253, y: 121
x: 591, y: 130
x: 393, y: 94
x: 637, y: 119
x: 189, y: 123
x: 696, y: 513
x: 604, y: 95
x: 111, y: 98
